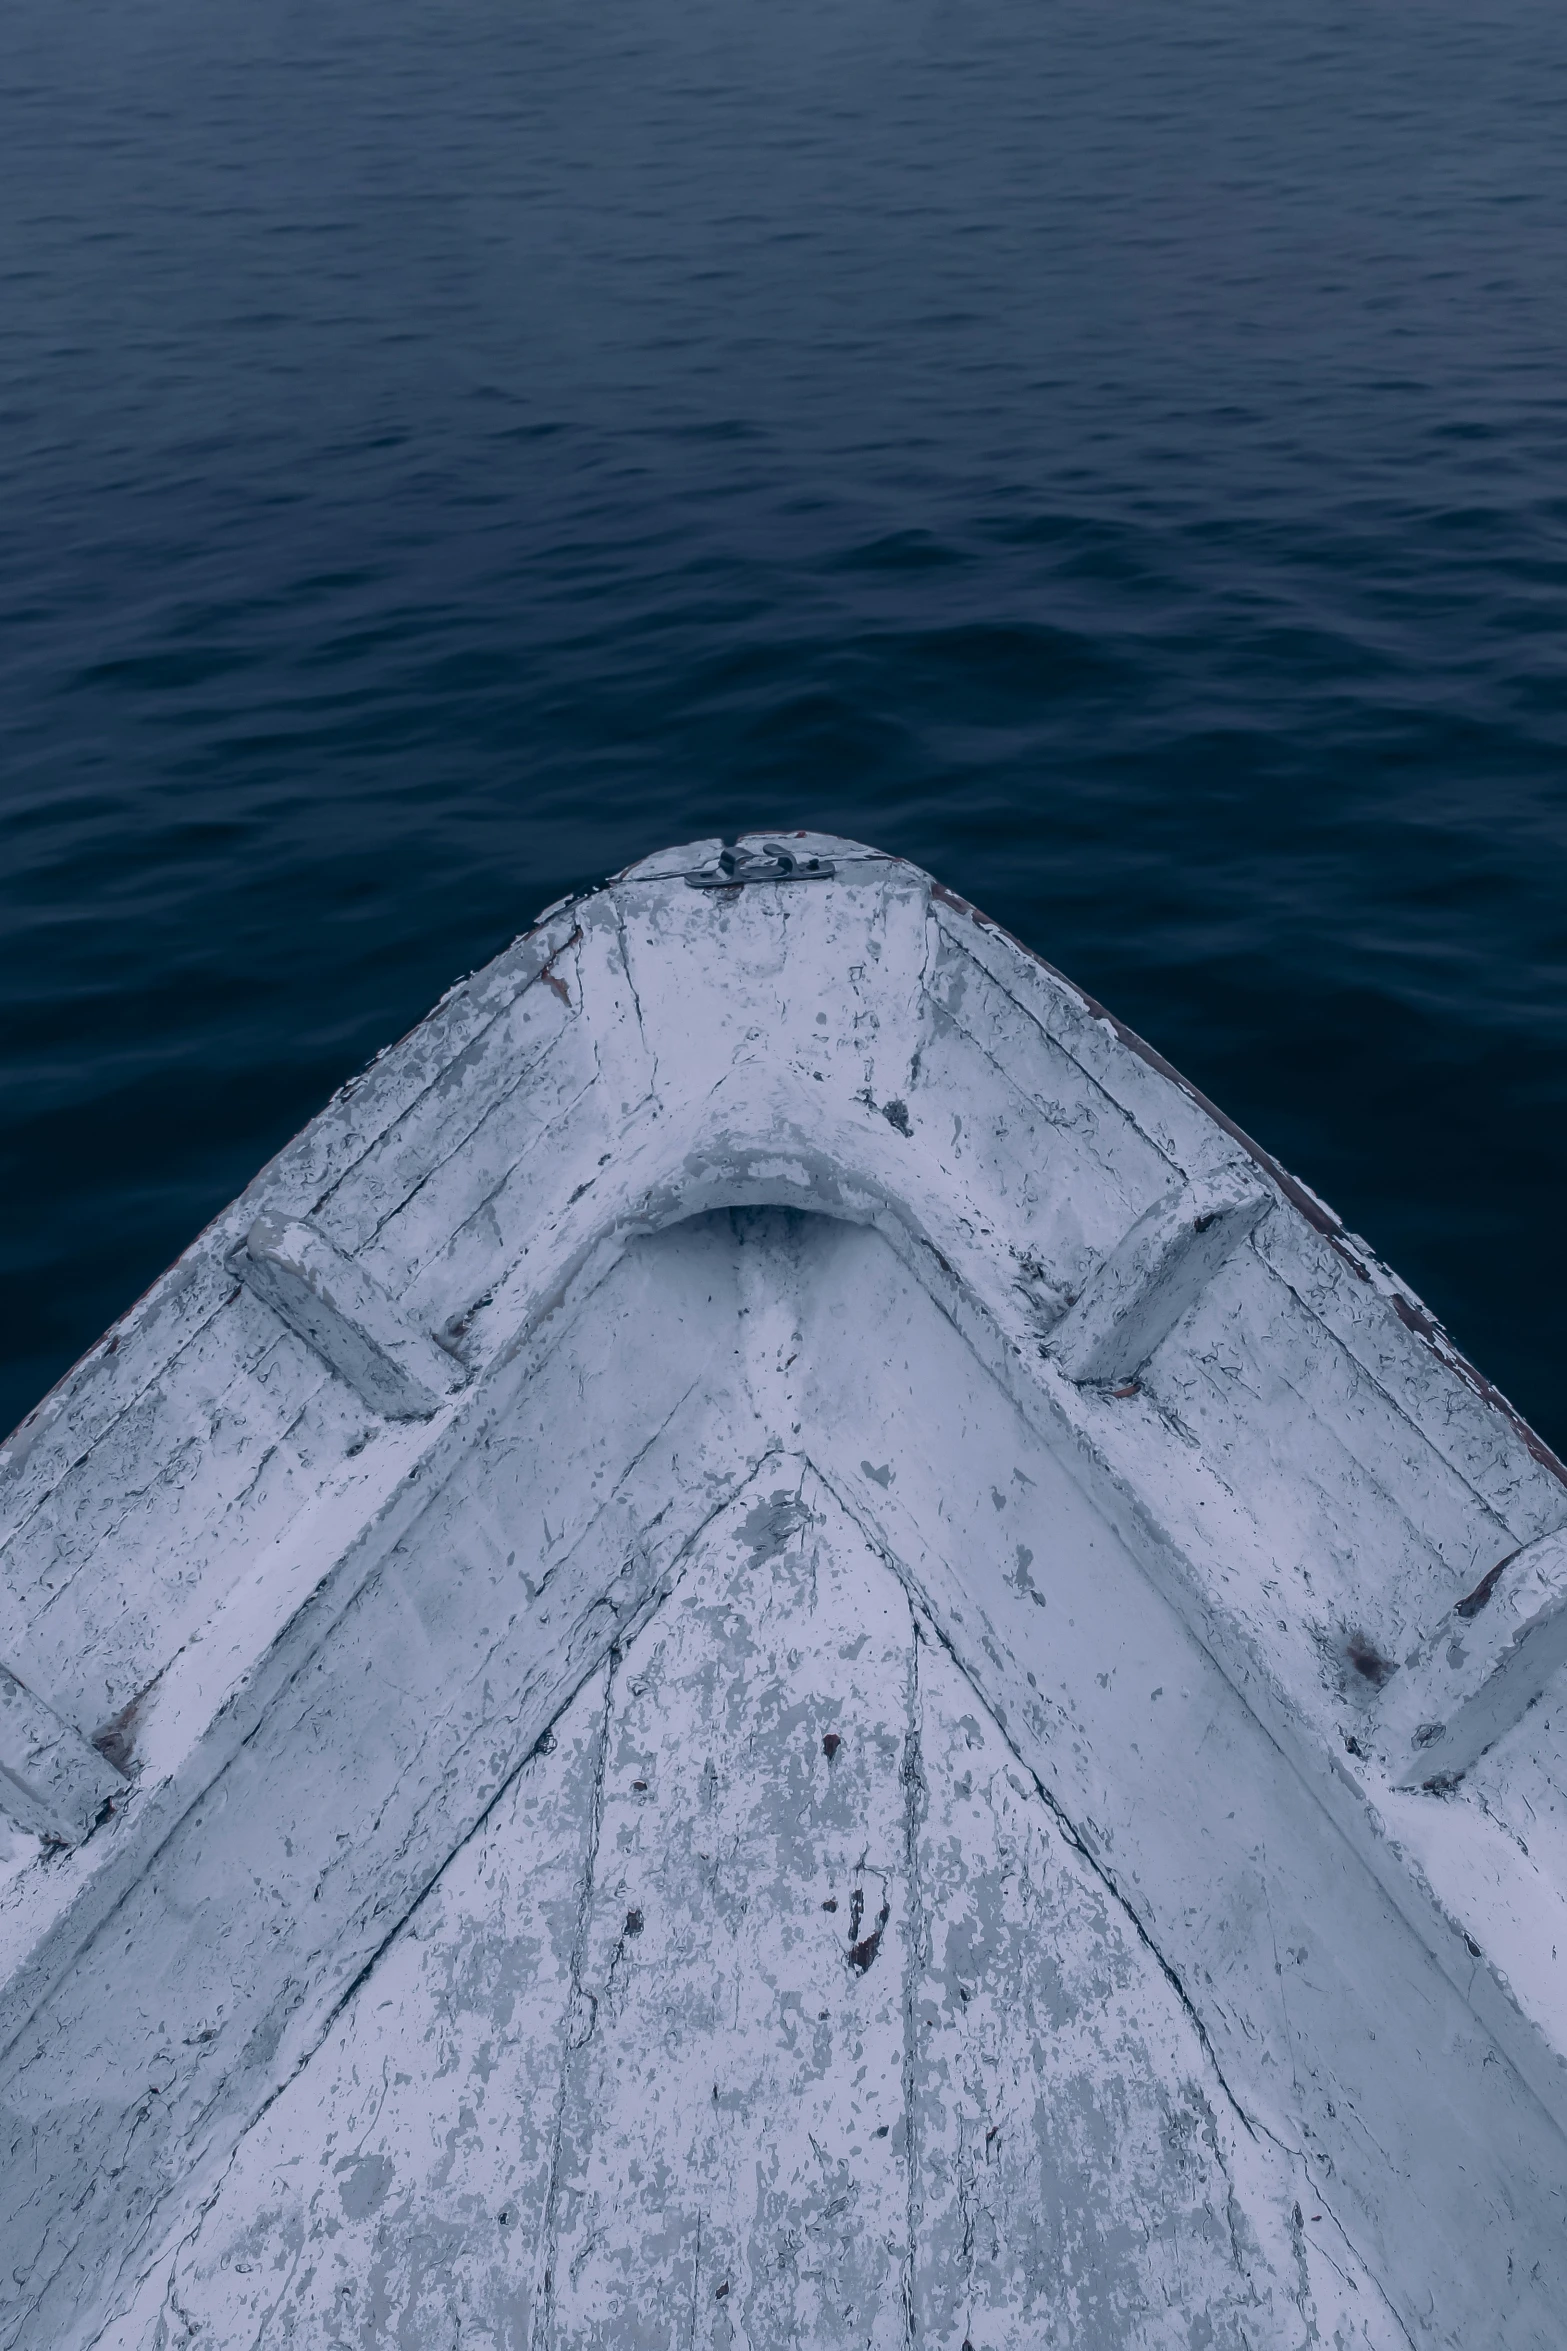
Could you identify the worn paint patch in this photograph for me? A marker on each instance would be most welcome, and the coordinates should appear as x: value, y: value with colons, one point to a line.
x: 1299, y: 1475
x: 1082, y: 2175
x: 394, y: 2193
x: 774, y: 2006
x: 742, y: 2052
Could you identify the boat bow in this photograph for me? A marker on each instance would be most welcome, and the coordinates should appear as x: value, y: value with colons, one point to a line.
x: 764, y: 1251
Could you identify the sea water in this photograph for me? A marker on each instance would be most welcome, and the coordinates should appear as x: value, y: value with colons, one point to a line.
x: 1114, y: 454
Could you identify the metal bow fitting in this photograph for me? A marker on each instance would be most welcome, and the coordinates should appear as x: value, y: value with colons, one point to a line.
x: 771, y: 863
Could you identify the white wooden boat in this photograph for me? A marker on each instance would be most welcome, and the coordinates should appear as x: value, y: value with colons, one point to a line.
x: 773, y: 1649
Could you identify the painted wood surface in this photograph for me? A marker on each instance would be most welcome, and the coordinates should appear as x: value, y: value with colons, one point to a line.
x: 686, y: 1184
x: 771, y: 2006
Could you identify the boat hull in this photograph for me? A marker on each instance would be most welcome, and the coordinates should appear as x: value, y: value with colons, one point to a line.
x: 804, y: 1203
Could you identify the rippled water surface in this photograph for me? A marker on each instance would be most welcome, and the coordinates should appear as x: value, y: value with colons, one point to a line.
x: 1115, y: 454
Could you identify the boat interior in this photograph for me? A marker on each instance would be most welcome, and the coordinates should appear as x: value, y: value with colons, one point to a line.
x: 771, y: 1649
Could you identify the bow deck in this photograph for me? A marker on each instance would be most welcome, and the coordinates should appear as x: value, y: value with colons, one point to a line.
x: 770, y: 1400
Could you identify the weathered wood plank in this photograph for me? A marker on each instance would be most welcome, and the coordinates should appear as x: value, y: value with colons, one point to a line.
x: 733, y: 2160
x: 342, y: 1313
x: 1521, y: 1787
x: 1373, y: 1533
x: 280, y: 1602
x: 814, y: 985
x: 1221, y: 1849
x: 1083, y: 2176
x: 126, y: 1367
x: 638, y: 2070
x: 1506, y: 1462
x: 143, y: 1346
x: 1478, y: 1674
x: 395, y: 2191
x: 122, y: 1567
x: 1156, y: 1102
x: 458, y: 1234
x: 1465, y: 1431
x: 1153, y: 1276
x: 51, y: 1781
x: 1057, y: 1161
x: 377, y: 1756
x: 307, y: 1170
x: 458, y: 1096
x: 1203, y: 1536
x: 457, y: 1238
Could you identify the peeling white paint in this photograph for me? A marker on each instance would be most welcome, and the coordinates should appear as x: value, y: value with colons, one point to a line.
x: 741, y: 1242
x: 710, y: 2035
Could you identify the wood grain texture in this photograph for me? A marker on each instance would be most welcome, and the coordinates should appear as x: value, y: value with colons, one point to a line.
x: 1082, y: 2176
x: 394, y: 2191
x: 741, y: 2045
x: 344, y: 1316
x: 320, y: 1644
x: 771, y: 2005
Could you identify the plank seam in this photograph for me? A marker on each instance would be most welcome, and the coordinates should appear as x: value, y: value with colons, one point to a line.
x: 549, y: 2226
x: 915, y: 1958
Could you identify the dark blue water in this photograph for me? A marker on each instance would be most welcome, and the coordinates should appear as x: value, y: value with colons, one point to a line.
x: 1115, y: 454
